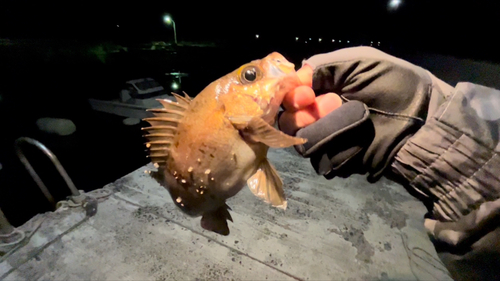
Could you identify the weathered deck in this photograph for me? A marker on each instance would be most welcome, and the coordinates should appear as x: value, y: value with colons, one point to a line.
x: 343, y: 229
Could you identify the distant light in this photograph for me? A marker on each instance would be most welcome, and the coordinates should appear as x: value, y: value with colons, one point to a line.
x: 347, y: 41
x: 333, y: 40
x: 167, y: 19
x: 394, y: 4
x: 309, y: 39
x: 257, y: 36
x: 117, y: 25
x: 296, y: 38
x: 175, y: 86
x: 379, y: 43
x: 340, y: 41
x: 306, y: 42
x: 319, y: 39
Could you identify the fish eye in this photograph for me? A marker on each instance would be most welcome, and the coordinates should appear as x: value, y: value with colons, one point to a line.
x: 249, y: 74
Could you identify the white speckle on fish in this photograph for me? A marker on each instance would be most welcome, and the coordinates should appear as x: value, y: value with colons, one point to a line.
x: 212, y: 178
x: 156, y: 165
x: 201, y: 192
x: 190, y: 169
x: 148, y: 145
x: 207, y: 172
x: 147, y: 172
x: 175, y: 173
x: 199, y: 160
x: 178, y: 200
x: 183, y: 181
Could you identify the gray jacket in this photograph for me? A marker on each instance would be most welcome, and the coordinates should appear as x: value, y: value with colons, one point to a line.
x: 441, y: 142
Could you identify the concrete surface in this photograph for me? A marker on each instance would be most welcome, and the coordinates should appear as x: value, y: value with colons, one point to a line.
x: 343, y: 229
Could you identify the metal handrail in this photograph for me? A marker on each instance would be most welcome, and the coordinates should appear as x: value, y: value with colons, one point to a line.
x: 35, y: 176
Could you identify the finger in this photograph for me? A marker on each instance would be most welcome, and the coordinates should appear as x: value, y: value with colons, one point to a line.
x: 299, y: 98
x: 291, y: 121
x: 305, y: 74
x: 327, y: 103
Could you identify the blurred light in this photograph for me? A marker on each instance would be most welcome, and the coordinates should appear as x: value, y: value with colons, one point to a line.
x: 379, y: 43
x: 117, y: 25
x: 347, y: 41
x: 319, y: 39
x: 309, y: 39
x: 306, y: 42
x: 257, y: 36
x: 394, y: 4
x: 296, y: 38
x: 340, y: 41
x: 167, y: 19
x: 333, y: 40
x: 175, y: 86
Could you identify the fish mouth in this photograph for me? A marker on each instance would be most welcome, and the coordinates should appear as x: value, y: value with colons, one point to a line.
x: 276, y: 71
x: 280, y: 68
x: 280, y: 63
x: 271, y: 105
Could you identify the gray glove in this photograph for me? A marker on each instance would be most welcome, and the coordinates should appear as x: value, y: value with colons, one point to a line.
x: 386, y: 100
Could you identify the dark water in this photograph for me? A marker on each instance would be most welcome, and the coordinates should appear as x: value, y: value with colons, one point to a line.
x: 55, y: 79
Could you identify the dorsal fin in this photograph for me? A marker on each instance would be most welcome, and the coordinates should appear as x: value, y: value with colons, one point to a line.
x: 168, y: 104
x: 182, y: 100
x: 161, y: 133
x: 187, y: 96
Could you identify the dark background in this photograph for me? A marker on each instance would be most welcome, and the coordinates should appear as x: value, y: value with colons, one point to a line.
x: 56, y: 55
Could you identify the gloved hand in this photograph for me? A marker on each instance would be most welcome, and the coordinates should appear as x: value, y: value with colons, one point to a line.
x: 357, y: 107
x: 469, y: 247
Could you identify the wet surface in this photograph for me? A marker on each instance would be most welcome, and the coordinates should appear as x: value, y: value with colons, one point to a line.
x: 338, y: 229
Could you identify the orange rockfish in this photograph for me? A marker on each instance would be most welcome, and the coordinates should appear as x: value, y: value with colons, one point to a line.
x: 207, y: 148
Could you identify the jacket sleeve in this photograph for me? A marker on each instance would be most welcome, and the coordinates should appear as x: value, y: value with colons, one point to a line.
x: 453, y: 164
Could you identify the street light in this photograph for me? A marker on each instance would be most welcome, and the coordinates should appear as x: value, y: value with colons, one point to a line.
x: 168, y: 20
x: 394, y: 4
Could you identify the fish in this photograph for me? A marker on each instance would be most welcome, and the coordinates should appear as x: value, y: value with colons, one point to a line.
x: 208, y: 148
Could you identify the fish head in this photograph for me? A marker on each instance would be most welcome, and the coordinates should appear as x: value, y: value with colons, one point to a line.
x: 260, y: 85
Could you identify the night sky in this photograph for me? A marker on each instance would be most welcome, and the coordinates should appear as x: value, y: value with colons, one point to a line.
x: 465, y: 27
x: 38, y: 75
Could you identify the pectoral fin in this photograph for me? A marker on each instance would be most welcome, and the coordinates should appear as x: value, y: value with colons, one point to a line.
x: 216, y: 221
x: 268, y: 186
x: 258, y: 130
